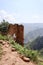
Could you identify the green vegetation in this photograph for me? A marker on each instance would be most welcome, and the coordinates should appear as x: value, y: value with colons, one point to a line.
x: 3, y: 37
x: 37, y: 44
x: 4, y: 26
x: 40, y: 63
x: 41, y: 52
x: 40, y: 58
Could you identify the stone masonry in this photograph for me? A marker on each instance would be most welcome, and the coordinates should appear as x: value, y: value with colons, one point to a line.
x: 17, y: 31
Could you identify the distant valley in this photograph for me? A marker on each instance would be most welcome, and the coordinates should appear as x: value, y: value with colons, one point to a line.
x: 33, y: 35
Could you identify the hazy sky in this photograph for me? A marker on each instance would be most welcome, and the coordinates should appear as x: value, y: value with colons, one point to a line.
x: 31, y: 27
x: 22, y: 11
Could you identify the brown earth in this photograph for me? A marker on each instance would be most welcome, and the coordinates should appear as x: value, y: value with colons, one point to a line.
x: 10, y: 57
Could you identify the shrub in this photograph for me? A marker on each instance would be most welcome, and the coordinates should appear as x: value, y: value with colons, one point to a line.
x: 3, y: 37
x: 4, y: 27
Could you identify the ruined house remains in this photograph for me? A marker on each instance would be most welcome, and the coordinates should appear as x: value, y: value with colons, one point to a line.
x: 17, y: 31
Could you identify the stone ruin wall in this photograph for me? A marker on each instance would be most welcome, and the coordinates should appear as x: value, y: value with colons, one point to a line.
x: 18, y: 30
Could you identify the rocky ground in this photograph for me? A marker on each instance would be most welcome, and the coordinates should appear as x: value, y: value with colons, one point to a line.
x: 11, y: 57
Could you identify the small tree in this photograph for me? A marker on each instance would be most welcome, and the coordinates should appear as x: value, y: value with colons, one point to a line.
x: 4, y: 26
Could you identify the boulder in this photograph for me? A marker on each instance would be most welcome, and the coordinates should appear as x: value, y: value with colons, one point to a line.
x: 24, y: 58
x: 1, y: 41
x: 4, y: 43
x: 13, y: 49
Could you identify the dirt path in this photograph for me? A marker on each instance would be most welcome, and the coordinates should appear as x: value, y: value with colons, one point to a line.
x: 11, y: 58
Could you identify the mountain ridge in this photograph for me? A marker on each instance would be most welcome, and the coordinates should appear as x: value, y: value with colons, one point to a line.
x: 33, y: 35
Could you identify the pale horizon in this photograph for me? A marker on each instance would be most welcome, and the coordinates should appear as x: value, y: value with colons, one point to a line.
x: 21, y: 11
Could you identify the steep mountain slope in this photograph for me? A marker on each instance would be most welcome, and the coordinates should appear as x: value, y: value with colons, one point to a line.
x: 33, y: 35
x: 37, y: 44
x: 10, y: 57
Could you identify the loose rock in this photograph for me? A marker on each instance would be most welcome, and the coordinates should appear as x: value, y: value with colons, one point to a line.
x: 26, y: 59
x: 1, y: 41
x: 13, y: 49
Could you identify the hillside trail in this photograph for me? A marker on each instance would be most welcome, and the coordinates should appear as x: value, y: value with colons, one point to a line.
x: 10, y: 57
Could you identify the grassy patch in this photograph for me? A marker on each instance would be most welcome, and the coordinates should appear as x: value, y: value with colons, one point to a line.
x: 40, y: 58
x: 22, y: 50
x: 3, y: 37
x: 40, y: 63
